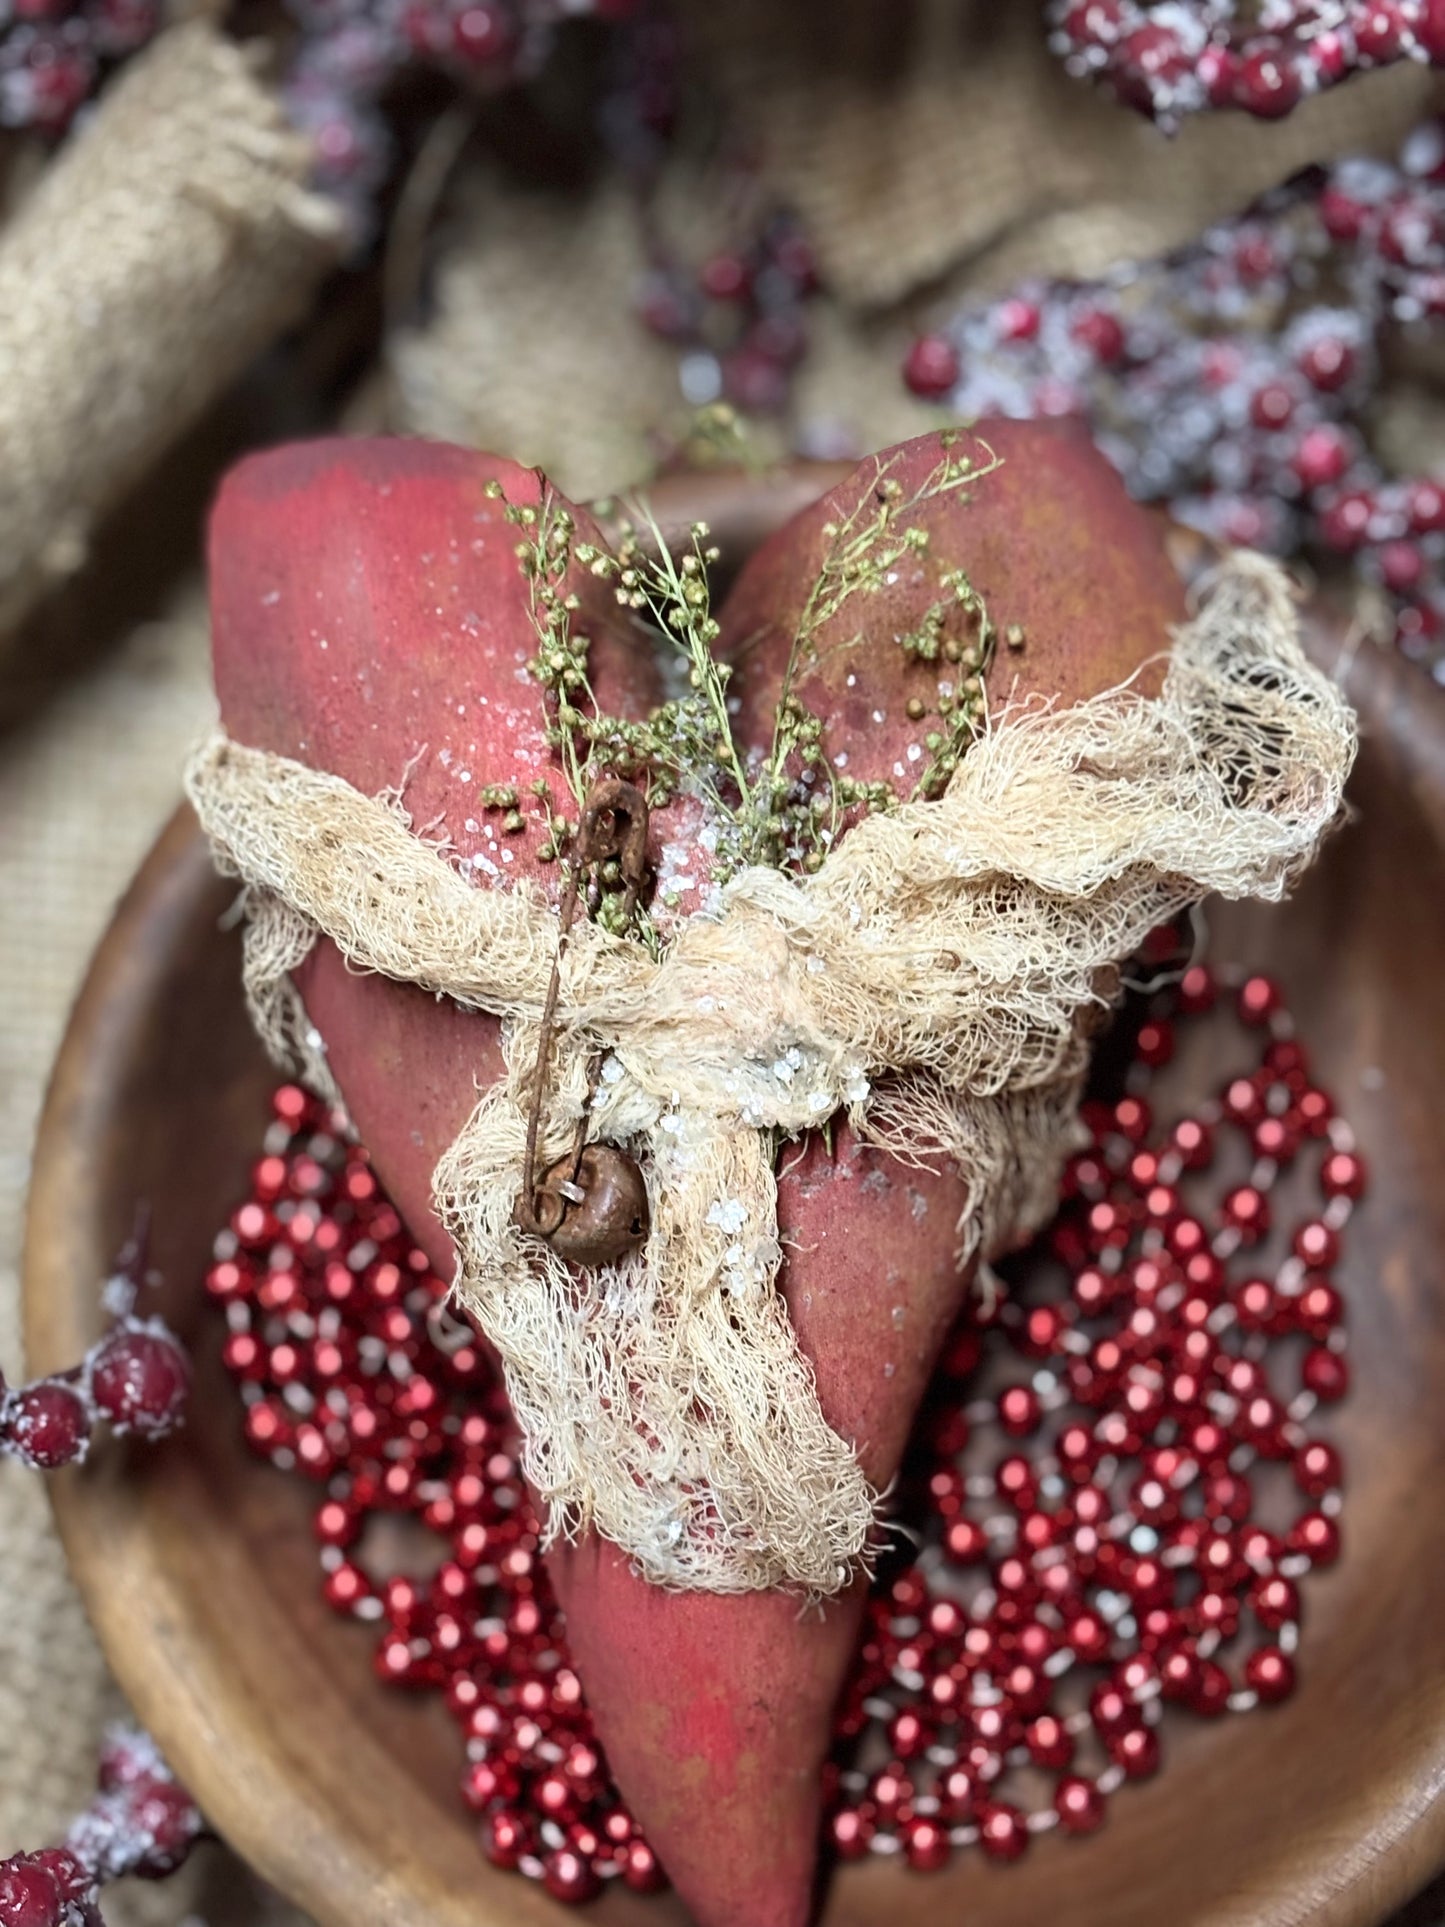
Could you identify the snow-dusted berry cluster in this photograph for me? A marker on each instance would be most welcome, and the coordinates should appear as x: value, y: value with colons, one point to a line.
x: 140, y: 1824
x: 351, y: 51
x: 54, y: 53
x: 135, y: 1378
x: 1188, y: 56
x: 1234, y: 380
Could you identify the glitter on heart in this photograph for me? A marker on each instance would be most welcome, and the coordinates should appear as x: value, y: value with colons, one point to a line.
x: 1090, y: 1545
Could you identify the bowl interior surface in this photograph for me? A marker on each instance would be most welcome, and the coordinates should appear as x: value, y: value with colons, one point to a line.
x: 199, y: 1568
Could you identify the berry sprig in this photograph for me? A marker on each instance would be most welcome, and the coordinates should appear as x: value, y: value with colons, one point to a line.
x: 1190, y: 56
x: 135, y: 1377
x: 1234, y: 380
x: 1118, y: 1491
x: 140, y: 1825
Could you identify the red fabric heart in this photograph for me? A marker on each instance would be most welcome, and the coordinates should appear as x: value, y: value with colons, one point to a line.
x: 370, y: 616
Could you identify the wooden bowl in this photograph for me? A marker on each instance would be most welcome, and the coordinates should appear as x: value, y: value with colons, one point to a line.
x: 199, y: 1570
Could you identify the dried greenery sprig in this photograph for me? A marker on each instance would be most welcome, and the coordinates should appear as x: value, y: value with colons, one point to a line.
x: 787, y: 809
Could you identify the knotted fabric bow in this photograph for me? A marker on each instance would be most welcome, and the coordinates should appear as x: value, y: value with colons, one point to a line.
x: 933, y: 981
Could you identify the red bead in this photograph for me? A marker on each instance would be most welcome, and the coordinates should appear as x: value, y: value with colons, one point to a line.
x: 1079, y: 1804
x: 1317, y: 1245
x: 1342, y: 1175
x: 1110, y: 1709
x: 569, y: 1875
x: 1132, y: 1119
x: 1195, y: 1144
x: 1314, y: 1110
x: 1325, y: 1373
x: 1318, y: 1310
x: 1247, y: 1209
x: 1049, y: 1742
x: 891, y: 1791
x: 1257, y: 1306
x: 1259, y: 999
x: 926, y: 1844
x: 345, y: 1588
x: 1002, y: 1832
x: 1270, y: 1673
x: 957, y: 1794
x: 1017, y: 1482
x: 641, y: 1869
x: 140, y: 1379
x: 1094, y: 1291
x: 1274, y: 1602
x: 1178, y: 1673
x: 506, y: 1837
x: 1154, y: 1044
x: 1087, y: 1636
x: 1197, y: 990
x: 1019, y: 1411
x: 1274, y: 1139
x: 1316, y: 1536
x: 1043, y: 1327
x: 1227, y: 1495
x: 851, y: 1831
x: 228, y: 1279
x: 1316, y: 1469
x: 46, y: 1424
x: 1136, y: 1750
x: 965, y: 1542
x: 1210, y: 1696
x: 932, y: 368
x: 909, y: 1734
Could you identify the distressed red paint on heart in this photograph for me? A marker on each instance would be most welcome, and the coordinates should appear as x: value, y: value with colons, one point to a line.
x: 370, y: 616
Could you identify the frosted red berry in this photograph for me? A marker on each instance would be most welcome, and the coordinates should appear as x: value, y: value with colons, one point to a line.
x: 140, y: 1379
x: 46, y: 1424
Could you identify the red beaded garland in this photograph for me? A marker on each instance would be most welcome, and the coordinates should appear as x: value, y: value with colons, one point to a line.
x: 1233, y: 380
x: 1114, y: 1538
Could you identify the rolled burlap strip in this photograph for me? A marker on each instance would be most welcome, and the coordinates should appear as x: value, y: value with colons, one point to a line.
x: 170, y: 242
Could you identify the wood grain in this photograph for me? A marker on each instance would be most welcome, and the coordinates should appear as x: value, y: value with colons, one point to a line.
x: 199, y: 1570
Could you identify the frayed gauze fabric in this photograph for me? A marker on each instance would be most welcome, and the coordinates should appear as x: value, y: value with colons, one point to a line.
x: 936, y: 982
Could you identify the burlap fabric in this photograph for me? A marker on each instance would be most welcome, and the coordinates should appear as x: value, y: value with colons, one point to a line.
x: 90, y: 768
x: 168, y: 244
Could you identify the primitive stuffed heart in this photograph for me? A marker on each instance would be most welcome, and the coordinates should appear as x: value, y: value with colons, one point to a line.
x: 372, y: 622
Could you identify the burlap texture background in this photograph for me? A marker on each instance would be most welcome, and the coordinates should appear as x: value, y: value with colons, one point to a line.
x: 918, y: 155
